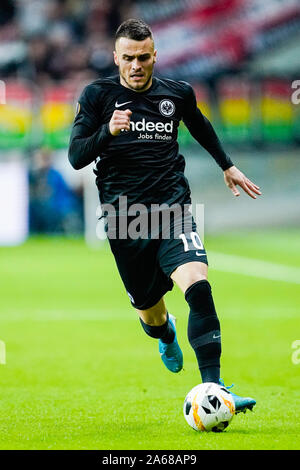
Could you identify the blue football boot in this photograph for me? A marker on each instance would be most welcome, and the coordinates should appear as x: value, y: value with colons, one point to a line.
x: 171, y: 354
x: 242, y: 404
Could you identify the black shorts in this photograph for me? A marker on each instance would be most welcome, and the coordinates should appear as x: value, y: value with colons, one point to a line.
x: 146, y: 263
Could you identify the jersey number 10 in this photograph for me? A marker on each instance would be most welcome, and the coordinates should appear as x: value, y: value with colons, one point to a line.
x: 195, y: 239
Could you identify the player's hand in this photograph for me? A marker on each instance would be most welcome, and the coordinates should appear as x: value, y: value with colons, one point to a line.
x: 233, y: 177
x: 120, y: 120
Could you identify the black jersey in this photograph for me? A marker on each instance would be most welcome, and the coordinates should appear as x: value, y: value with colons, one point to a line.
x: 143, y: 164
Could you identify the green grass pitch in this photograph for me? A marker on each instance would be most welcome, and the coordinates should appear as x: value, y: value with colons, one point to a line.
x: 81, y: 374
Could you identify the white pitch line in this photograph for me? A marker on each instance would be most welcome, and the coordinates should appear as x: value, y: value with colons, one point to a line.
x: 253, y: 267
x: 68, y: 315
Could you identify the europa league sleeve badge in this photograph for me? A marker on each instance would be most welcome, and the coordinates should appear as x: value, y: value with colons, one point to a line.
x: 77, y: 109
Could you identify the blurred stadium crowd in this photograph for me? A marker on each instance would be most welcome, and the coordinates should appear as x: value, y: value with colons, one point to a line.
x: 59, y: 39
x: 73, y: 39
x: 241, y: 56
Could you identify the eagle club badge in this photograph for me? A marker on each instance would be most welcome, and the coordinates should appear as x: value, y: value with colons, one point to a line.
x: 167, y: 107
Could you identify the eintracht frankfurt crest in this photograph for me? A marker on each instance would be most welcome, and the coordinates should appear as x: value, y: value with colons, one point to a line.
x: 167, y: 108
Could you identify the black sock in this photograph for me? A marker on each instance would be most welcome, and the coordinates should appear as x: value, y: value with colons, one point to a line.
x: 210, y: 374
x: 204, y: 330
x: 164, y: 332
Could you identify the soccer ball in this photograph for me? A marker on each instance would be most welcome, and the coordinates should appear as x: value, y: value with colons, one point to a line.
x: 209, y: 407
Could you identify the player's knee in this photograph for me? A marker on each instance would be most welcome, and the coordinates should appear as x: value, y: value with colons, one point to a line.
x: 188, y: 274
x: 194, y: 278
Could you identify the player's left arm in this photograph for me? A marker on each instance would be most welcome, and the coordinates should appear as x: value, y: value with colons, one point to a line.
x: 202, y: 130
x: 233, y: 177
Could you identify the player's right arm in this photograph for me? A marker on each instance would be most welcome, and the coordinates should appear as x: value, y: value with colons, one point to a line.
x: 90, y: 135
x: 120, y: 121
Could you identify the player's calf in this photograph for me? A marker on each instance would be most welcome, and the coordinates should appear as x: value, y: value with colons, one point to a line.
x: 164, y: 332
x: 204, y: 330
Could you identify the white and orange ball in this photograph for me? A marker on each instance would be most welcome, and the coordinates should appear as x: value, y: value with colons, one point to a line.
x: 209, y: 407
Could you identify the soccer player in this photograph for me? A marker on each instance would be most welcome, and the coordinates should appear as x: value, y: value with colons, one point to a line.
x: 128, y: 125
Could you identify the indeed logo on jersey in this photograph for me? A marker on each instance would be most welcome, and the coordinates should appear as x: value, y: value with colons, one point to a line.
x: 150, y: 126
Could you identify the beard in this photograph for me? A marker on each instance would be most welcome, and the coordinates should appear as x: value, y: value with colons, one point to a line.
x: 137, y: 87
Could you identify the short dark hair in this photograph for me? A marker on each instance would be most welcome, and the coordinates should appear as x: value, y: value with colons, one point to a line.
x: 135, y: 29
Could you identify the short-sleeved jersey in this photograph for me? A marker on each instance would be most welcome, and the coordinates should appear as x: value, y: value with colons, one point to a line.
x: 144, y: 163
